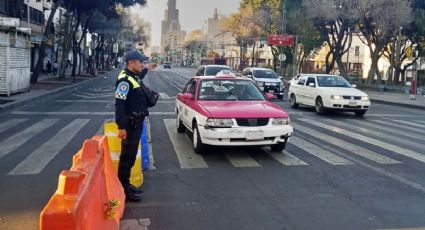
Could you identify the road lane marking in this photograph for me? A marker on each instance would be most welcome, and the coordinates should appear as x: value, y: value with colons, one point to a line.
x: 10, y: 123
x: 12, y: 143
x: 392, y: 138
x: 82, y: 113
x: 108, y: 101
x: 347, y: 146
x: 381, y: 144
x: 402, y: 180
x: 172, y: 84
x: 393, y: 124
x: 319, y: 152
x: 388, y: 129
x: 286, y: 158
x: 410, y: 123
x: 183, y: 148
x: 422, y: 122
x: 241, y: 160
x: 37, y: 160
x: 164, y: 96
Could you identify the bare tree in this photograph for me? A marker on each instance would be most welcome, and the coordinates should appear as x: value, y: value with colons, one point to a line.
x: 335, y: 19
x: 378, y: 23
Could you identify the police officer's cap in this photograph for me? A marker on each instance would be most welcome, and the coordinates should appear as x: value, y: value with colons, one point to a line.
x: 135, y: 55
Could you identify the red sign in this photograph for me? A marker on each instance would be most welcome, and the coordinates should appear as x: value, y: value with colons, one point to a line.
x: 281, y: 40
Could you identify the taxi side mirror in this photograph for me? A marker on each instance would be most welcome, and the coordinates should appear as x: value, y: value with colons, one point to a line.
x: 354, y: 86
x: 249, y: 75
x: 311, y: 84
x: 270, y: 96
x: 187, y: 96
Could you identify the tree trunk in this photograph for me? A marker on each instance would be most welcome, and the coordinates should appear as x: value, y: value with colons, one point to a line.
x: 253, y: 54
x: 43, y: 46
x: 341, y: 67
x: 329, y: 63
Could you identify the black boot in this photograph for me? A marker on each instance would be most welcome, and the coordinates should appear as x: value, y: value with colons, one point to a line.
x: 135, y: 190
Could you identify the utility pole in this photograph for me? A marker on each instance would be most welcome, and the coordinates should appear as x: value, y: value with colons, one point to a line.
x: 283, y: 7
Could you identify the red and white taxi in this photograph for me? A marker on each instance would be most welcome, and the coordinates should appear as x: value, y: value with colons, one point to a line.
x: 226, y: 110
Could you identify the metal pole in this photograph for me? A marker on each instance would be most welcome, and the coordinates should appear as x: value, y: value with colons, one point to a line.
x: 294, y: 62
x: 283, y: 6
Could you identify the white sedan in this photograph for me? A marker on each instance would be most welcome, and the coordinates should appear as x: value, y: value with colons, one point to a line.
x: 328, y: 92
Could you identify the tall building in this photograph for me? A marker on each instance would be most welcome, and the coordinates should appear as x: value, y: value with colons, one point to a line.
x: 171, y: 33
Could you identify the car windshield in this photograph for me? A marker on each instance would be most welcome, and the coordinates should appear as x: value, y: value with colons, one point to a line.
x: 332, y: 81
x: 264, y: 74
x: 229, y: 89
x: 213, y: 70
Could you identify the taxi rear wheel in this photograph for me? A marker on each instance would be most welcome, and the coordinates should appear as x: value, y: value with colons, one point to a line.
x: 198, y: 146
x: 180, y: 126
x: 278, y: 147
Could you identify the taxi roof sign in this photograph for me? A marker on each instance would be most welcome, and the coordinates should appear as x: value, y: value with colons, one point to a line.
x: 225, y: 73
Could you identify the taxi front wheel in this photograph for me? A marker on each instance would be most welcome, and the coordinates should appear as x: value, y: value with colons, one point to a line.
x: 278, y: 147
x: 180, y: 126
x: 198, y: 146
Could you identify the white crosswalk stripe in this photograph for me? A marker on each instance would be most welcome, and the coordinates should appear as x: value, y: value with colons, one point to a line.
x: 319, y: 152
x: 12, y: 143
x: 419, y: 121
x: 241, y: 160
x: 382, y: 144
x: 388, y: 129
x: 286, y: 158
x: 183, y: 147
x: 347, y: 146
x: 38, y: 159
x: 410, y: 123
x: 393, y: 138
x: 10, y: 123
x: 393, y: 124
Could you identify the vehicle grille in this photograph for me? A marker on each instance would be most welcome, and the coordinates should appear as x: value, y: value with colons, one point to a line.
x: 352, y: 97
x: 252, y: 121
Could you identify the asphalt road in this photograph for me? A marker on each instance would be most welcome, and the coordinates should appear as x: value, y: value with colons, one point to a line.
x: 338, y: 172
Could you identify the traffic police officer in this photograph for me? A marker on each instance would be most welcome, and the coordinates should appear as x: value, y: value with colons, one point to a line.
x: 130, y: 111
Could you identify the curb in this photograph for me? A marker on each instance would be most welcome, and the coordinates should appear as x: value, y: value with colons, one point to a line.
x: 47, y: 95
x: 422, y: 107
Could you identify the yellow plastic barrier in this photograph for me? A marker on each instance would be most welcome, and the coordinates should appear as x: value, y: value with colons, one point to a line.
x: 111, y: 131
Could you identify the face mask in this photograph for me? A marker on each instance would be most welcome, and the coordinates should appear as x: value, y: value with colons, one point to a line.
x: 143, y: 73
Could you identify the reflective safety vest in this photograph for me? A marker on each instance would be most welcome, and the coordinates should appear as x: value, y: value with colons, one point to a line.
x: 133, y: 81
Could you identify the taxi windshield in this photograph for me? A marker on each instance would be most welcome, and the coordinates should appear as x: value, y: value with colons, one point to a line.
x: 264, y: 74
x: 332, y: 81
x: 229, y: 89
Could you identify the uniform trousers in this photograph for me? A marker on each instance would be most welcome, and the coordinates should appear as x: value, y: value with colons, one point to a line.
x: 129, y: 147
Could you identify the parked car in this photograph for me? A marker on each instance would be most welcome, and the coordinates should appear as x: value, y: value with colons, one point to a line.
x: 328, y: 92
x: 167, y: 65
x: 266, y: 79
x: 226, y: 110
x: 211, y: 70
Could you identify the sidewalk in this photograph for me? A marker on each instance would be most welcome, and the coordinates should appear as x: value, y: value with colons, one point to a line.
x: 46, y: 87
x: 396, y: 99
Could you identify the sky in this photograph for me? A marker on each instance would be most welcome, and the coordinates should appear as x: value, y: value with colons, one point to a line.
x: 192, y: 13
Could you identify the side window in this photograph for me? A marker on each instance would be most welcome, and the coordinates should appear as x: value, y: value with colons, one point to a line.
x: 187, y: 87
x: 310, y: 80
x: 192, y: 88
x: 302, y: 80
x: 200, y: 71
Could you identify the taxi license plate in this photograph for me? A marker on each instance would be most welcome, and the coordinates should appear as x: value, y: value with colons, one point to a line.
x: 254, y: 135
x: 352, y: 103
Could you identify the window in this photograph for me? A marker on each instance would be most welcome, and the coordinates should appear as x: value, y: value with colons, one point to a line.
x: 187, y: 87
x: 264, y: 74
x: 311, y: 80
x: 302, y: 80
x: 222, y: 90
x: 200, y: 71
x: 332, y: 81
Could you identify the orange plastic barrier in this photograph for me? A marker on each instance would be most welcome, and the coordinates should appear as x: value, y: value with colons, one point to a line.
x: 89, y: 195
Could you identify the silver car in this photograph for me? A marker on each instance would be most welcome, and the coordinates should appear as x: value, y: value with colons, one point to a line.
x: 266, y: 79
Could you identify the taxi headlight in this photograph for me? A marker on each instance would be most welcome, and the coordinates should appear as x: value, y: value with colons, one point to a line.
x: 365, y: 98
x: 336, y: 97
x: 222, y: 123
x: 281, y: 121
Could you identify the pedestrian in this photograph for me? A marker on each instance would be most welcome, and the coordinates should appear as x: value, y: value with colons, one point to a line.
x: 49, y: 66
x: 55, y: 67
x: 130, y: 111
